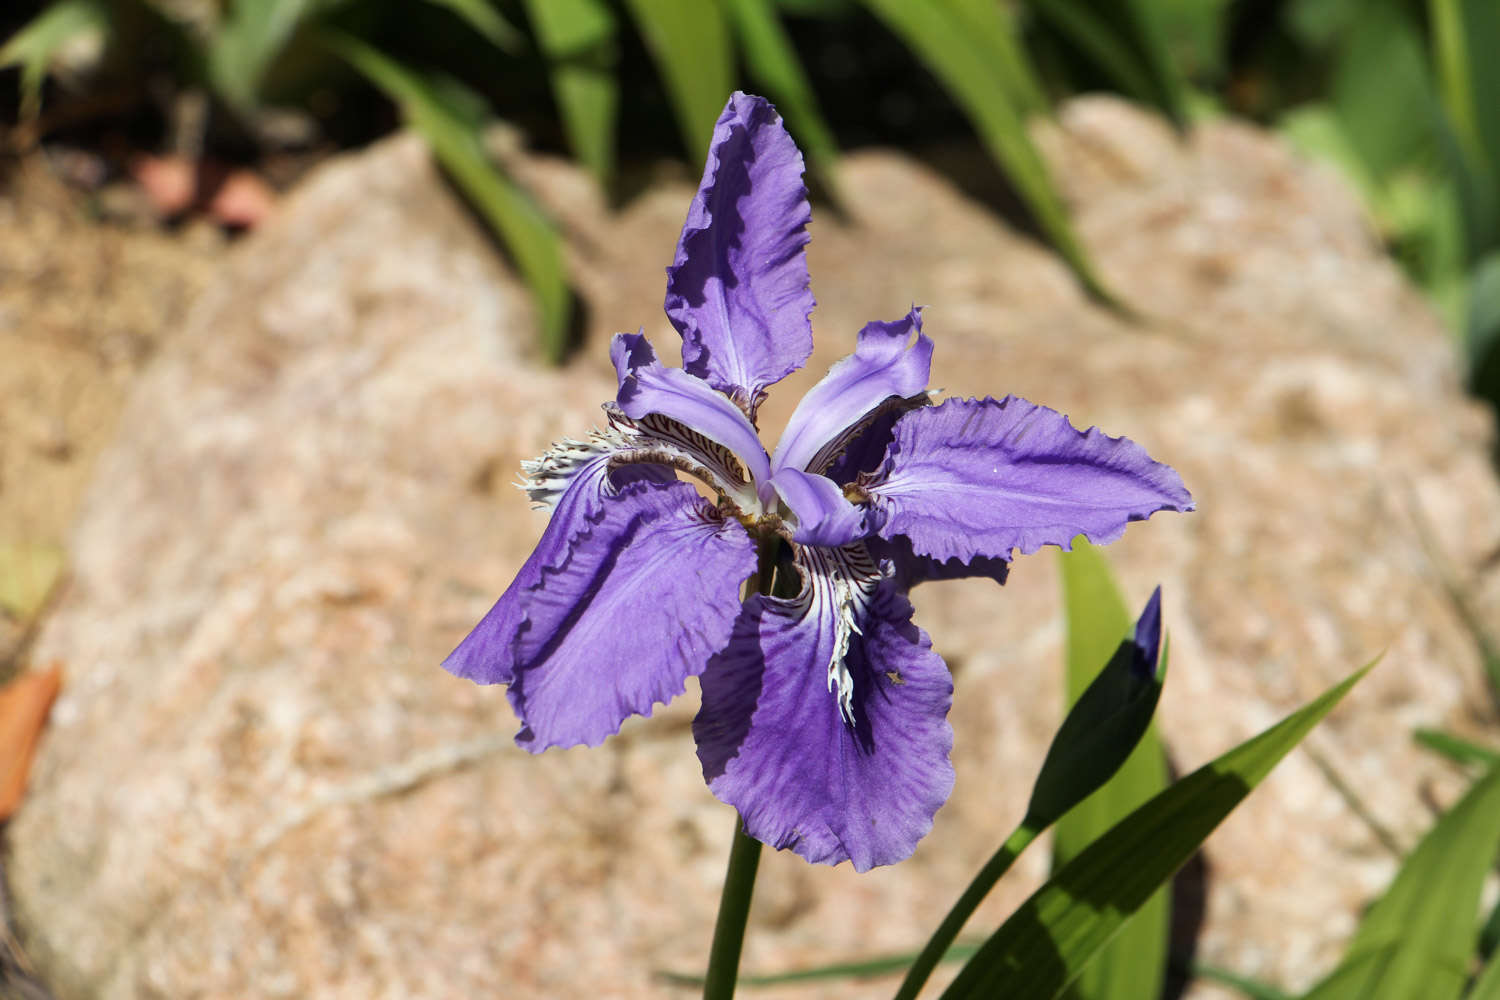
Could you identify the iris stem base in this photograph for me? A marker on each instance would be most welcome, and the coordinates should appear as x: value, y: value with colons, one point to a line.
x: 734, y: 913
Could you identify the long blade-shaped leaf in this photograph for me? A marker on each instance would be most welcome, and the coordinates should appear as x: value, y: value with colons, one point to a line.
x: 1124, y: 40
x: 248, y: 41
x: 578, y: 37
x: 689, y: 39
x: 1418, y: 939
x: 773, y: 63
x: 1134, y: 964
x: 966, y: 67
x: 993, y: 27
x: 1456, y: 749
x: 1055, y: 933
x: 482, y: 16
x: 1487, y: 986
x: 1101, y: 729
x: 527, y: 234
x: 33, y: 47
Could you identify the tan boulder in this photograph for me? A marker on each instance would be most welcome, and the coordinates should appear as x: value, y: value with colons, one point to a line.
x: 258, y: 782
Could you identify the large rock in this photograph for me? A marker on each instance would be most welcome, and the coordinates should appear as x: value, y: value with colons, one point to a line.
x: 259, y: 783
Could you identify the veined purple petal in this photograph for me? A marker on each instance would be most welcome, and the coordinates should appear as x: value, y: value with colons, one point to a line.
x: 737, y: 290
x: 984, y: 477
x: 886, y: 363
x: 647, y: 386
x: 644, y: 598
x: 824, y: 517
x: 575, y: 480
x: 775, y: 744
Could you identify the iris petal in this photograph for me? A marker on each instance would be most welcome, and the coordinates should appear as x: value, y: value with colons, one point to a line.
x: 823, y: 516
x: 775, y: 745
x: 887, y: 363
x: 648, y: 387
x: 737, y: 289
x: 645, y: 596
x: 575, y: 480
x: 985, y: 477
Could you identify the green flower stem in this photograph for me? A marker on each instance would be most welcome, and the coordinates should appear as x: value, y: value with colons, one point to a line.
x: 744, y: 853
x: 734, y: 911
x: 937, y: 945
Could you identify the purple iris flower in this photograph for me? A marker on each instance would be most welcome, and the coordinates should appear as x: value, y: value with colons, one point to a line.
x: 824, y: 715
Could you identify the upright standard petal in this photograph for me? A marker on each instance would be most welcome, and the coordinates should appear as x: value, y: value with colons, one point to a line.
x: 737, y: 290
x: 887, y: 364
x: 649, y: 387
x: 575, y: 480
x: 642, y: 601
x: 984, y: 477
x: 775, y: 744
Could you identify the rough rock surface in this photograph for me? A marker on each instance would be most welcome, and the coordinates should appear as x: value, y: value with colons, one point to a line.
x: 259, y: 784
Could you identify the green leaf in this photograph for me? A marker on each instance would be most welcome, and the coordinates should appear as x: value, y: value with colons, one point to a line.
x: 1195, y: 36
x: 485, y: 19
x: 1252, y: 988
x: 1463, y: 36
x: 1458, y: 750
x: 942, y: 37
x: 578, y: 38
x: 1418, y: 939
x: 527, y: 234
x: 1483, y: 328
x: 773, y: 64
x: 1105, y: 723
x: 1134, y: 964
x: 868, y: 968
x: 689, y: 40
x: 1124, y: 40
x: 34, y: 46
x: 1049, y: 940
x: 248, y: 41
x: 1487, y: 986
x: 1382, y: 91
x: 993, y: 28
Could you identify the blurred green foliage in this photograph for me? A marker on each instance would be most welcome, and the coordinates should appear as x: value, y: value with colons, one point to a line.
x: 1400, y: 95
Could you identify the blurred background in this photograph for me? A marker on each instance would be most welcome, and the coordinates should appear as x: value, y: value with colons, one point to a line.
x: 262, y: 390
x: 191, y: 96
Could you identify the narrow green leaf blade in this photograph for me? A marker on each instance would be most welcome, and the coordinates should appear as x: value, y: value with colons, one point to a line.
x: 248, y: 41
x: 1455, y: 748
x: 485, y: 19
x: 773, y: 64
x: 1124, y: 39
x: 33, y: 47
x: 1097, y: 39
x: 579, y: 39
x: 1487, y: 986
x: 966, y: 68
x: 1382, y: 90
x: 993, y: 27
x: 866, y: 968
x: 1134, y: 964
x: 1418, y: 939
x: 1055, y: 933
x: 1100, y: 731
x: 689, y: 40
x: 530, y: 238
